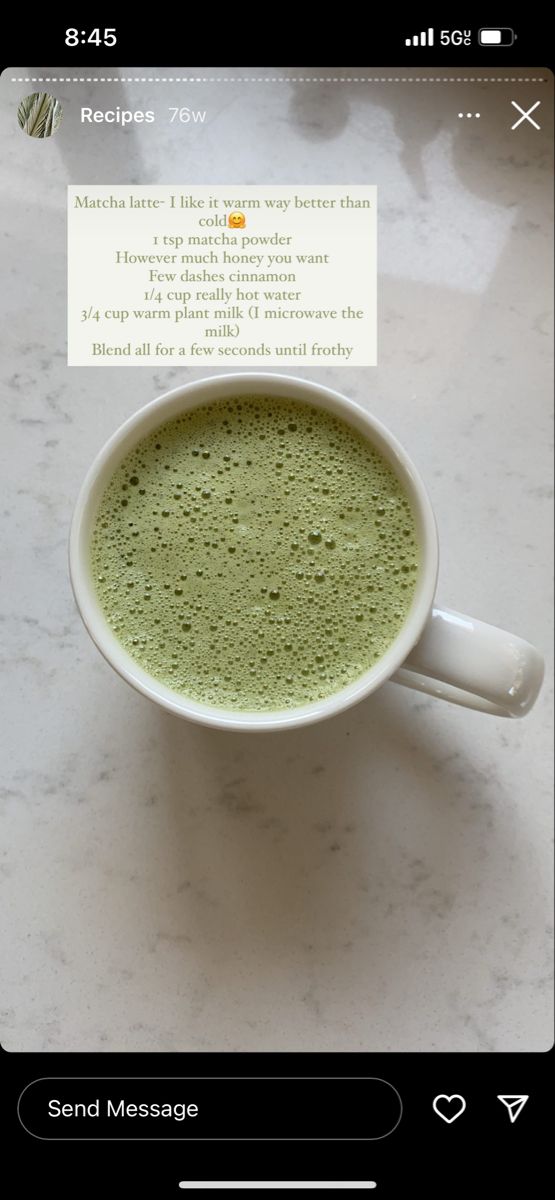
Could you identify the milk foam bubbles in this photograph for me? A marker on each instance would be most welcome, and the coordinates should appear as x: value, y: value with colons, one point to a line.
x: 255, y: 553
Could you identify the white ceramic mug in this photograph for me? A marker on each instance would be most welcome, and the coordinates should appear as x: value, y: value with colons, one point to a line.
x: 437, y: 650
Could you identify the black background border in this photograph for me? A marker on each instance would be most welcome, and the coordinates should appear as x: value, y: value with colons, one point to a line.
x: 424, y: 1156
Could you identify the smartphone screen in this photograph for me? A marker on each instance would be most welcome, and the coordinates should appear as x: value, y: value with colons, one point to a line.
x: 277, y: 370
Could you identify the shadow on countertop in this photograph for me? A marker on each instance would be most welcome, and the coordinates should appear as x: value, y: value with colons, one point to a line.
x: 296, y: 844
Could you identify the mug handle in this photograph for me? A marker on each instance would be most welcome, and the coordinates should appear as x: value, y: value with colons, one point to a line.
x: 473, y: 664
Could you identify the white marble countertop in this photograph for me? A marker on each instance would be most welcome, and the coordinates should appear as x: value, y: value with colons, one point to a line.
x: 380, y: 881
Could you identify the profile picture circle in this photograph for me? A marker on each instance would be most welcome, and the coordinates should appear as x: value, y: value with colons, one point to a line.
x: 39, y: 114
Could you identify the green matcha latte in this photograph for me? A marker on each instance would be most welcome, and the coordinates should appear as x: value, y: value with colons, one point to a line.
x: 255, y: 554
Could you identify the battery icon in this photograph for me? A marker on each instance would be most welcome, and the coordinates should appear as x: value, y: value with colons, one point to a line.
x: 496, y: 37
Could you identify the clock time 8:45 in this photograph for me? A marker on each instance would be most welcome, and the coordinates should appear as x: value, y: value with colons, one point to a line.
x: 96, y: 37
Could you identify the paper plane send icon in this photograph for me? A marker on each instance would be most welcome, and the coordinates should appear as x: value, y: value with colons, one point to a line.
x: 514, y: 1105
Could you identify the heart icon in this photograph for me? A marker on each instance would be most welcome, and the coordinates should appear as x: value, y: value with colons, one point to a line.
x: 449, y: 1107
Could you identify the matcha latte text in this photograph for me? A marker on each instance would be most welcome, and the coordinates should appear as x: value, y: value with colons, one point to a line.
x: 255, y: 554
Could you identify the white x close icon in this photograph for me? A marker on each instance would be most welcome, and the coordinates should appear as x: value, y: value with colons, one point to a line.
x: 525, y: 115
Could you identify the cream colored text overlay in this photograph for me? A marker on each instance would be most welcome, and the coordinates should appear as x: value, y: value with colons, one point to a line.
x: 222, y: 275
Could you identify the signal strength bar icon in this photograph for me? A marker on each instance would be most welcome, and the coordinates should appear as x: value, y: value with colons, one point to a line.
x: 426, y: 38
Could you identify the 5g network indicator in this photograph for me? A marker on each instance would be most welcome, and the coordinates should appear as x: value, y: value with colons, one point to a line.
x: 462, y: 37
